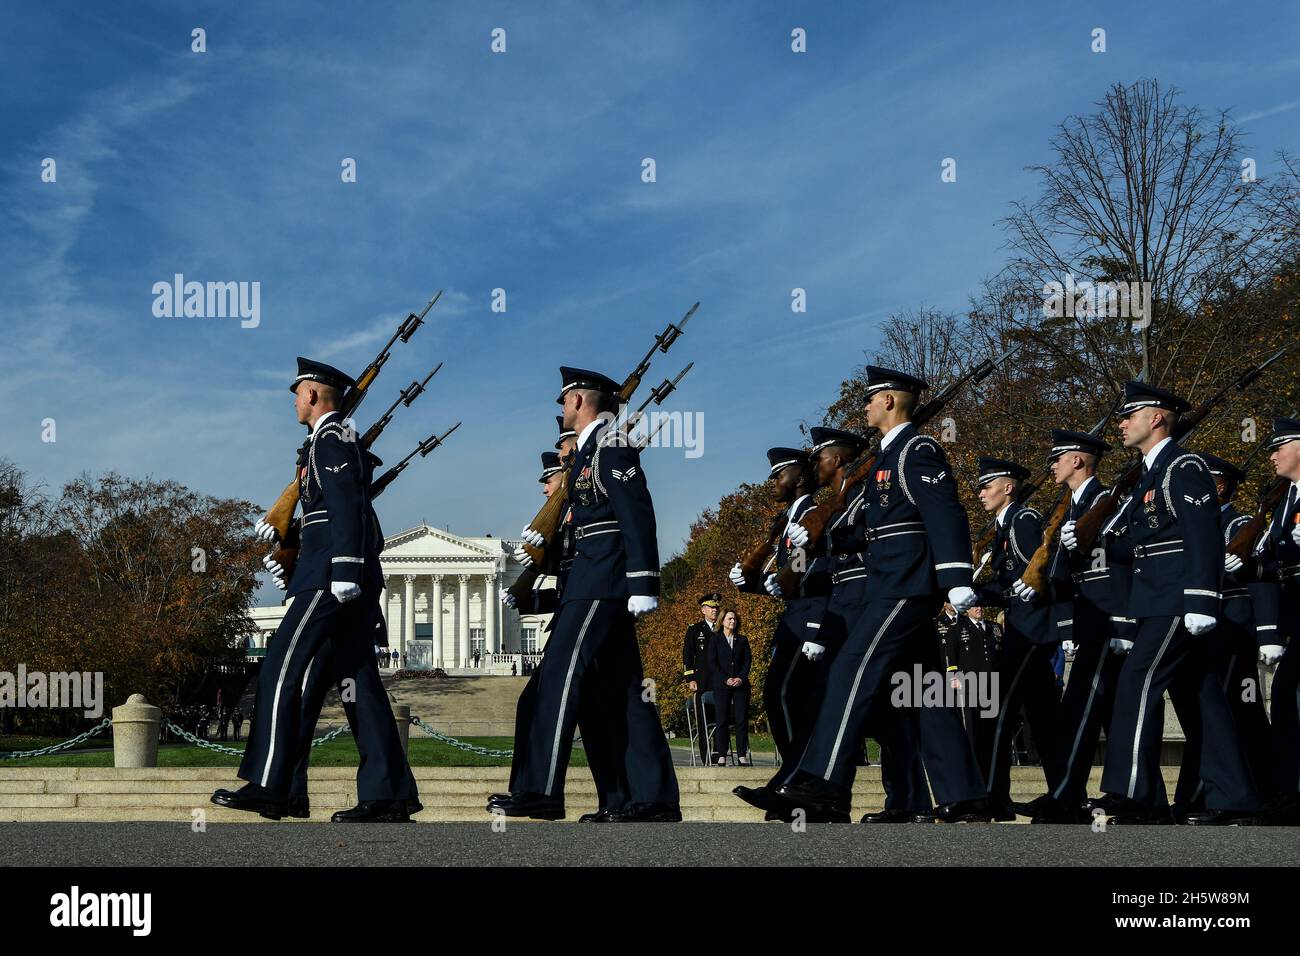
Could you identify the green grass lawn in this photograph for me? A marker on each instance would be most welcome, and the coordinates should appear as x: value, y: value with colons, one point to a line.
x: 340, y: 752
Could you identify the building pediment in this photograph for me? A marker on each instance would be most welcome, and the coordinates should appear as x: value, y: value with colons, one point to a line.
x: 426, y: 543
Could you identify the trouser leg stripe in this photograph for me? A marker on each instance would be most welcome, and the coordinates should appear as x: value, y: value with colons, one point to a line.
x: 785, y: 703
x: 853, y: 692
x: 1002, y: 716
x: 564, y: 698
x: 1083, y: 722
x: 1142, y: 707
x: 279, y: 685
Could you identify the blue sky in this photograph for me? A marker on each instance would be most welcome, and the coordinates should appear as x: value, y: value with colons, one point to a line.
x: 522, y: 171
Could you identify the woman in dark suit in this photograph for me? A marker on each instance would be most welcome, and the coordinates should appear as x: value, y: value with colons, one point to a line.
x: 729, y: 662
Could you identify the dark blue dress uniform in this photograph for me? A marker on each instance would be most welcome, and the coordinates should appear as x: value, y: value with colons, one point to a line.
x: 1229, y: 655
x: 1168, y: 532
x: 695, y: 667
x: 1276, y: 562
x: 1026, y: 678
x: 916, y: 540
x: 339, y: 544
x: 604, y: 736
x: 727, y: 662
x: 615, y: 556
x: 791, y: 691
x: 323, y: 673
x: 1090, y: 607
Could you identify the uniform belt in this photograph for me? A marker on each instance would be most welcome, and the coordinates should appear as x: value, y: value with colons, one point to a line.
x: 1158, y: 548
x: 895, y: 529
x: 596, y: 527
x: 1082, y: 576
x: 838, y: 577
x: 1235, y: 593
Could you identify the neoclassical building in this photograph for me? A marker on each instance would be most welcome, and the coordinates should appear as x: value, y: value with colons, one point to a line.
x: 442, y: 602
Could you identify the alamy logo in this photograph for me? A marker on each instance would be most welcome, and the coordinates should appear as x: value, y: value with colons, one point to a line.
x: 1087, y: 299
x: 208, y: 300
x: 38, y: 689
x: 921, y: 688
x: 74, y: 908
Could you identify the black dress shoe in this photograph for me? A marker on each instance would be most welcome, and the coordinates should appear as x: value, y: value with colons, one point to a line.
x: 374, y: 811
x: 1181, y: 811
x: 1051, y: 810
x: 821, y: 801
x: 600, y: 816
x: 1046, y: 803
x: 647, y: 813
x: 299, y: 806
x: 253, y: 799
x: 1281, y: 812
x: 1121, y: 811
x: 499, y: 798
x: 414, y: 806
x: 765, y: 798
x: 1220, y: 818
x: 535, y: 805
x: 964, y: 811
x: 1002, y: 811
x: 894, y: 815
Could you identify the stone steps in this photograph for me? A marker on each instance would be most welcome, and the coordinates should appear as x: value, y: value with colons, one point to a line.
x: 448, y: 793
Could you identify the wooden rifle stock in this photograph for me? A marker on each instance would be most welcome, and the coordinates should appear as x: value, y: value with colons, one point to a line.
x: 523, y: 586
x: 1036, y: 571
x: 1243, y: 542
x: 547, y: 521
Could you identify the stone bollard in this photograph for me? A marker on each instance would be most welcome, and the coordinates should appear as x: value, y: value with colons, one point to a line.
x: 402, y: 714
x: 135, y: 733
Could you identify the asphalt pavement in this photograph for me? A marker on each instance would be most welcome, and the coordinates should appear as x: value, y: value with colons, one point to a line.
x: 647, y: 844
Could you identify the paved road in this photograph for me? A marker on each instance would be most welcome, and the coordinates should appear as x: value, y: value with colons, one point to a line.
x: 475, y: 844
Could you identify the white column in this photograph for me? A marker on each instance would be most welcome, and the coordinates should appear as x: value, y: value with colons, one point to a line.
x: 435, y: 618
x: 408, y: 615
x: 462, y: 623
x: 383, y: 608
x: 490, y: 614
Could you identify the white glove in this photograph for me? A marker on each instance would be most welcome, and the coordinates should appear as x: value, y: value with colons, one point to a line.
x: 273, y: 565
x: 1067, y: 536
x: 279, y: 583
x: 522, y: 556
x: 1199, y: 623
x: 535, y: 538
x: 770, y: 585
x: 508, y: 599
x: 813, y: 651
x: 265, y: 531
x: 1119, y: 646
x: 1069, y: 647
x: 344, y: 591
x: 1295, y: 534
x: 1023, y: 591
x: 639, y: 604
x: 1231, y: 562
x: 1270, y: 654
x: 737, y: 576
x: 797, y: 534
x: 961, y: 599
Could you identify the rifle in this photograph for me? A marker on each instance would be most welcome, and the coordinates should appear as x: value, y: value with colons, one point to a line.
x: 1035, y: 575
x: 1270, y: 496
x: 405, y: 397
x: 1087, y: 528
x: 818, y: 518
x: 547, y: 520
x: 287, y: 552
x: 281, y: 513
x: 387, y: 478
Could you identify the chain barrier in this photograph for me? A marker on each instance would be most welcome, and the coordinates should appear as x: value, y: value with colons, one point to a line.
x: 99, y: 728
x: 231, y: 751
x: 460, y: 744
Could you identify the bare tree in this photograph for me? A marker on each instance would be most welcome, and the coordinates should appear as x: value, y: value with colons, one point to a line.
x: 1145, y: 190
